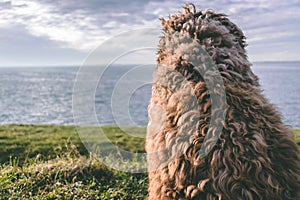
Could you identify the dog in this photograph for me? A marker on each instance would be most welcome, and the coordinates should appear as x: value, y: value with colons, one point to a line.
x: 211, y: 133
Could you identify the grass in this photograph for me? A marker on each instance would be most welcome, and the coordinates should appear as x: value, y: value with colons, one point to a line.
x: 28, y: 141
x: 51, y: 162
x: 297, y: 136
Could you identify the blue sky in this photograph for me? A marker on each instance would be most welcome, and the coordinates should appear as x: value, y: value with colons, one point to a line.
x: 64, y: 32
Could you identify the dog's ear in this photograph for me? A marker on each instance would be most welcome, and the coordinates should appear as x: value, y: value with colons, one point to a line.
x: 187, y: 8
x: 162, y: 21
x: 164, y: 24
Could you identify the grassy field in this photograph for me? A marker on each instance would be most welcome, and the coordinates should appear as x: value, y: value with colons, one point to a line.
x: 50, y: 162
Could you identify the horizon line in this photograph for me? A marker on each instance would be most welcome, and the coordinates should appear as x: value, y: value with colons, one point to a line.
x: 78, y: 65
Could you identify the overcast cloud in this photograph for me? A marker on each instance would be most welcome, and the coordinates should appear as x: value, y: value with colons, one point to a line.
x: 48, y: 32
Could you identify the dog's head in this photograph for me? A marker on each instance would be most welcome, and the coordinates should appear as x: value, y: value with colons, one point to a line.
x: 217, y: 35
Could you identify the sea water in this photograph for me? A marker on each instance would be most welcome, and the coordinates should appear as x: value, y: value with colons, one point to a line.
x: 43, y: 95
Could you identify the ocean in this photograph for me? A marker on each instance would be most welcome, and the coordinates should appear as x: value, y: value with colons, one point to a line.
x: 43, y: 95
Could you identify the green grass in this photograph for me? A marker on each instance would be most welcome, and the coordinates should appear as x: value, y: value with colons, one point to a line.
x: 28, y: 141
x: 297, y: 136
x: 69, y: 176
x: 51, y: 162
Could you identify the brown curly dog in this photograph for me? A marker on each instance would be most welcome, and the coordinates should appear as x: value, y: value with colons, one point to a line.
x: 212, y: 134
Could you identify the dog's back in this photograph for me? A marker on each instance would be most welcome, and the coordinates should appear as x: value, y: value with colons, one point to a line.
x: 255, y: 156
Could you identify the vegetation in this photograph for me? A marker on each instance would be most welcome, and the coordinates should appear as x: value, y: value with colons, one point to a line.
x: 297, y: 136
x: 28, y: 141
x: 51, y: 162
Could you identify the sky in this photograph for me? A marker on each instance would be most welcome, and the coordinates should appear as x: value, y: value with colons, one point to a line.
x: 65, y: 32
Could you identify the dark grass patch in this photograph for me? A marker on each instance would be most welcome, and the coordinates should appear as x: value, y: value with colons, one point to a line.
x: 69, y: 176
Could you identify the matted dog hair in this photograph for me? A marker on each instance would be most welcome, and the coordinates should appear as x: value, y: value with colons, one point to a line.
x: 255, y: 155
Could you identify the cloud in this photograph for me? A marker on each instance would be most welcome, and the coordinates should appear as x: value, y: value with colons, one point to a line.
x: 78, y: 26
x: 19, y: 48
x: 83, y: 25
x: 73, y: 30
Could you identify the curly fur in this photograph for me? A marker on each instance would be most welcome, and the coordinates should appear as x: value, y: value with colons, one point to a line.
x: 255, y: 156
